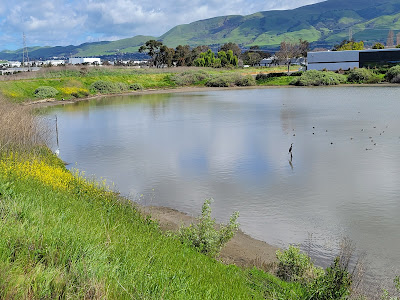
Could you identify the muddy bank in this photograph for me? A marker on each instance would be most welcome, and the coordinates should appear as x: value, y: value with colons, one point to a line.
x: 242, y: 250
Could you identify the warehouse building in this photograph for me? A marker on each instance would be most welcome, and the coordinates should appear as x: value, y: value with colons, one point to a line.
x: 84, y: 60
x: 335, y: 60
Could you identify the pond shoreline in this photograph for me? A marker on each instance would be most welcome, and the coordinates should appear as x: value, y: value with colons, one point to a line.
x: 53, y: 102
x: 190, y: 89
x: 242, y: 253
x: 242, y: 250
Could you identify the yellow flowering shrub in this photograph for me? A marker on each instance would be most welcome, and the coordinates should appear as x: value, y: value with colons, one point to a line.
x: 13, y: 166
x: 73, y: 90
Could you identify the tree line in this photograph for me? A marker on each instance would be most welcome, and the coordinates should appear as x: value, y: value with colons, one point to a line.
x: 228, y: 55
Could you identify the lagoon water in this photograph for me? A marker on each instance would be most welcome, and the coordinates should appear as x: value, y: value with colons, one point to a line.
x: 178, y: 149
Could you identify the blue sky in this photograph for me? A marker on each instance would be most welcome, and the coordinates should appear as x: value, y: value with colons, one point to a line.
x: 73, y: 22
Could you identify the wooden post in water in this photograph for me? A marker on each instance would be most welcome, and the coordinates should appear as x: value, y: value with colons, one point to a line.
x: 58, y: 148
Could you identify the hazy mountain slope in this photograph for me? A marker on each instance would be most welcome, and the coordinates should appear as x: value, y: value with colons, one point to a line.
x: 323, y: 24
x: 326, y: 22
x: 130, y: 45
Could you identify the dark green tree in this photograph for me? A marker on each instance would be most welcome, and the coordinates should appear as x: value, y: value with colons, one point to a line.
x: 233, y: 59
x: 304, y: 47
x: 182, y: 55
x: 223, y: 57
x: 196, y: 53
x: 231, y: 46
x: 153, y: 49
x: 166, y: 56
x: 251, y: 58
x: 205, y: 59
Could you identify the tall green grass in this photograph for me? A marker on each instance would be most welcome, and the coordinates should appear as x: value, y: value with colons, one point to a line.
x: 73, y: 243
x: 76, y: 82
x: 72, y: 83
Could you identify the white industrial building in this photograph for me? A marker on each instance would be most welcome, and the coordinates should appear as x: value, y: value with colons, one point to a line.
x: 14, y: 64
x: 55, y: 62
x: 84, y: 60
x: 350, y: 59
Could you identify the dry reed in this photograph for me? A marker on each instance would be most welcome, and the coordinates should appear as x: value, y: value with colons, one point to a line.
x: 20, y: 129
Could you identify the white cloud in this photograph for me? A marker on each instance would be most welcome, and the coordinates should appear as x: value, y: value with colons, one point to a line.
x: 61, y: 22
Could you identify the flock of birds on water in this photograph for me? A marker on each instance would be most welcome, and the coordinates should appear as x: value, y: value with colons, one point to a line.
x: 351, y: 138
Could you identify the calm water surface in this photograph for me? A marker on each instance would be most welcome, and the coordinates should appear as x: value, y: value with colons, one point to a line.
x: 176, y: 150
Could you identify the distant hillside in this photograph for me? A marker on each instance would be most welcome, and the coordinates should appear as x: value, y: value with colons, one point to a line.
x: 130, y: 45
x: 323, y: 24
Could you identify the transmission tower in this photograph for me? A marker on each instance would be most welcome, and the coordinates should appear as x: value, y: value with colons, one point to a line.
x: 25, y: 56
x: 390, y: 39
x: 350, y: 33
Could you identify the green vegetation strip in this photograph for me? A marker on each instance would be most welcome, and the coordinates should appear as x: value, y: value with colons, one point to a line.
x: 75, y: 82
x: 64, y: 236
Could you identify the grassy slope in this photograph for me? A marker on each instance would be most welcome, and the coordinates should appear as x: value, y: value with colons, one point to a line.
x: 129, y: 45
x: 322, y: 22
x: 62, y: 236
x: 70, y: 81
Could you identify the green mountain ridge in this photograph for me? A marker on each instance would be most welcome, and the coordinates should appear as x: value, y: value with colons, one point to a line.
x: 323, y: 24
x: 105, y: 48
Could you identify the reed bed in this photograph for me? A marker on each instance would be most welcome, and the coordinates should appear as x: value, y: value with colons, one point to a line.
x: 20, y: 129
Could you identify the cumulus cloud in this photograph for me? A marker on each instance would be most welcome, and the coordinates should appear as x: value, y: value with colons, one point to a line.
x: 62, y: 22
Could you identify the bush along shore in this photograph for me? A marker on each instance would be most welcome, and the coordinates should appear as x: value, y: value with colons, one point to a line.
x: 64, y: 236
x: 71, y: 83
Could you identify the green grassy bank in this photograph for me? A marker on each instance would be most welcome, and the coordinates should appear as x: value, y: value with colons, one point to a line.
x: 70, y: 82
x: 63, y: 236
x: 77, y: 82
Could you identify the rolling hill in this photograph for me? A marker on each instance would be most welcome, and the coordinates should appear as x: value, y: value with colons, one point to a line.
x: 103, y: 49
x: 322, y: 24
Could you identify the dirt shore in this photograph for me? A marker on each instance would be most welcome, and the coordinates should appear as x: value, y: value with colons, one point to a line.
x: 242, y: 250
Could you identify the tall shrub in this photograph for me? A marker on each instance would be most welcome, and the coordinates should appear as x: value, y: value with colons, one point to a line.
x: 334, y: 284
x: 294, y: 265
x: 45, y: 92
x: 393, y: 74
x: 314, y: 77
x: 204, y: 236
x: 362, y: 75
